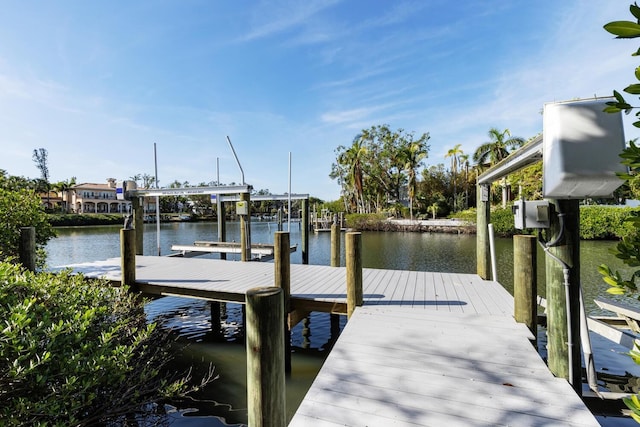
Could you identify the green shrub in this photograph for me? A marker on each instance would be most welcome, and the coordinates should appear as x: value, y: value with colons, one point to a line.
x: 366, y: 221
x: 21, y: 208
x: 605, y: 222
x: 469, y: 215
x: 65, y: 220
x: 503, y: 222
x: 76, y: 352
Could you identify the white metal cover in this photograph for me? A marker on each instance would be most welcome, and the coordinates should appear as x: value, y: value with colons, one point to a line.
x: 581, y: 150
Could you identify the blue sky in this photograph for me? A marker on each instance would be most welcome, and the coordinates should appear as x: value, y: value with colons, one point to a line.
x: 98, y: 83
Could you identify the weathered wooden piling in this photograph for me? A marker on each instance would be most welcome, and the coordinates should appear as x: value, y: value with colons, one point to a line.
x: 222, y: 224
x: 483, y: 214
x: 245, y: 229
x: 265, y: 357
x: 304, y: 231
x: 525, y: 281
x: 563, y: 347
x: 27, y: 248
x: 280, y: 219
x: 335, y: 259
x: 353, y: 250
x: 138, y: 224
x: 282, y: 276
x: 128, y: 256
x: 216, y: 325
x: 335, y: 245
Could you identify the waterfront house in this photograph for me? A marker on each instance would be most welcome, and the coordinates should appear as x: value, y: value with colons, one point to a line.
x: 97, y: 198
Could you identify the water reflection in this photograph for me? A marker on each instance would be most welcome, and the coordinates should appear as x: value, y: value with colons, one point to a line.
x: 311, y: 339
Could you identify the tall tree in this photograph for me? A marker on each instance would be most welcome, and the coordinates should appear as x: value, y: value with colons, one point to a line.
x: 373, y: 171
x: 352, y: 159
x: 454, y: 153
x: 64, y: 190
x: 464, y: 161
x: 497, y: 148
x: 40, y: 158
x: 413, y: 154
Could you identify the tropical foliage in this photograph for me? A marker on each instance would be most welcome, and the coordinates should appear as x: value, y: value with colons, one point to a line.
x: 382, y: 171
x: 77, y: 352
x: 378, y: 167
x: 22, y: 208
x: 497, y: 148
x: 628, y: 250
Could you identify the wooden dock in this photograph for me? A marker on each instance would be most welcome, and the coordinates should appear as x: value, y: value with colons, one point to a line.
x: 426, y: 349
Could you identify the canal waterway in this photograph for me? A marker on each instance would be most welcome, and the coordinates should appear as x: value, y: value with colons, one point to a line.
x: 223, y: 402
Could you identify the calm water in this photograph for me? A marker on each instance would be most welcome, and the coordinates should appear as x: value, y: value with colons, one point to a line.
x: 224, y: 401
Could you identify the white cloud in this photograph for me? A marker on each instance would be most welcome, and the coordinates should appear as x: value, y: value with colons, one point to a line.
x: 275, y: 17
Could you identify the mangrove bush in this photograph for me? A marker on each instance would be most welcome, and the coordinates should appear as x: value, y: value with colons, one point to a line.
x: 75, y: 352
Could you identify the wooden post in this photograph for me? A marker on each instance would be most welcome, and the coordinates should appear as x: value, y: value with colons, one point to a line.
x: 280, y: 228
x: 335, y: 245
x: 566, y: 249
x: 525, y: 281
x: 216, y: 325
x: 306, y: 332
x: 282, y: 274
x: 265, y: 358
x: 335, y: 260
x: 128, y: 257
x: 27, y: 248
x: 353, y: 248
x: 304, y: 231
x: 483, y: 213
x: 222, y: 223
x: 138, y: 224
x: 245, y: 229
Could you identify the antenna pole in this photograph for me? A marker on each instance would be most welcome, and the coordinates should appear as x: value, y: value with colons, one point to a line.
x: 289, y: 208
x: 155, y: 159
x: 236, y: 156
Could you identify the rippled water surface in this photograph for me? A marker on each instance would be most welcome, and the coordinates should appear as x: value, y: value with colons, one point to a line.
x: 224, y: 401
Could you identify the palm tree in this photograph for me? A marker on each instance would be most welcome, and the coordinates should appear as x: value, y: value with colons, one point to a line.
x: 464, y: 160
x: 413, y: 154
x: 353, y: 159
x: 454, y: 153
x: 496, y: 150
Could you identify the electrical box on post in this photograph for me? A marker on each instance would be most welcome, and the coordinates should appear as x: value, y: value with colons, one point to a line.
x: 581, y: 146
x: 531, y: 214
x: 122, y: 187
x: 242, y: 208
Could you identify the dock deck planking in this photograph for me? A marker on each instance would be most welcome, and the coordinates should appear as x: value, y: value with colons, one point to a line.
x: 375, y: 284
x: 426, y: 349
x: 449, y: 369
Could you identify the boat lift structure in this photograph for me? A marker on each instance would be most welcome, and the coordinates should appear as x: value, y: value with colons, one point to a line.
x: 238, y: 194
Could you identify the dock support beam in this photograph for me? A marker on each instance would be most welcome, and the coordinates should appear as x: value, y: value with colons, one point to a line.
x: 138, y: 223
x: 563, y: 329
x: 525, y: 281
x: 335, y: 244
x: 353, y: 249
x: 216, y: 325
x: 282, y: 275
x: 483, y: 214
x: 128, y: 256
x: 27, y: 248
x: 222, y: 224
x: 305, y: 231
x: 245, y: 230
x: 265, y: 358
